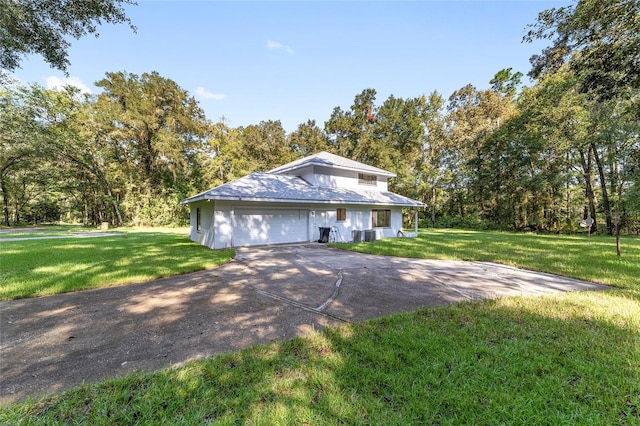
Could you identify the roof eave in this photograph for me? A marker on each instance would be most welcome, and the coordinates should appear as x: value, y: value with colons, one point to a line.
x: 205, y: 197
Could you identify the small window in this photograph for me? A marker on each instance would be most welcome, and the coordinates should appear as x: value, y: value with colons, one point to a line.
x: 341, y: 215
x: 364, y: 179
x: 198, y: 221
x: 380, y: 218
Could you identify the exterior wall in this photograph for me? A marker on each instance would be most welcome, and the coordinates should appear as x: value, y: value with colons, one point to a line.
x: 206, y: 234
x: 217, y: 225
x: 337, y: 178
x: 357, y: 218
x: 396, y: 225
x: 223, y: 222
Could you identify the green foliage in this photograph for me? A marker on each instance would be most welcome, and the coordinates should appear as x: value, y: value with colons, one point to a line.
x: 391, y: 136
x: 462, y: 222
x: 599, y: 39
x: 265, y: 144
x: 129, y: 155
x: 43, y: 267
x: 474, y: 118
x: 308, y: 139
x: 43, y: 27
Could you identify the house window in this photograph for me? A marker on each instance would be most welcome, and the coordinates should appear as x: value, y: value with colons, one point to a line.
x: 364, y: 179
x: 198, y: 221
x: 380, y: 218
x: 341, y: 215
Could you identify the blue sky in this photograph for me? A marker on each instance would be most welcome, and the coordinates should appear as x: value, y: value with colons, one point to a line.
x: 297, y: 60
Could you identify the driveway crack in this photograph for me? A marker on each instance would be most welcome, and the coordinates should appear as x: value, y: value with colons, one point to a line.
x: 297, y: 304
x: 333, y: 295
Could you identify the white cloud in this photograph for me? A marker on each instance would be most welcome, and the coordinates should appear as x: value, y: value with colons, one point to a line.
x: 56, y: 83
x: 205, y: 94
x: 276, y: 45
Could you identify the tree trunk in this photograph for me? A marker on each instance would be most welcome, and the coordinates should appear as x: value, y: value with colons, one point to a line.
x: 5, y: 201
x: 112, y: 200
x: 603, y: 186
x: 586, y: 173
x: 85, y: 214
x: 568, y: 221
x: 618, y: 237
x: 433, y: 206
x: 115, y: 206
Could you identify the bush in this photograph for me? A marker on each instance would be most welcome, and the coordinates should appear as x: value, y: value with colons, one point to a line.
x: 466, y: 222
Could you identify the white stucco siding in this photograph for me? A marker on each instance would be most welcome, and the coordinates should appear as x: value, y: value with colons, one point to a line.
x: 396, y: 225
x: 205, y: 235
x: 223, y: 223
x: 336, y: 178
x: 235, y: 224
x: 357, y: 218
x: 307, y: 174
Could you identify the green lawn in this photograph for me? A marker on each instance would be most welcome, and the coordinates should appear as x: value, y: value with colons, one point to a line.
x: 43, y: 231
x: 52, y: 266
x: 572, y: 358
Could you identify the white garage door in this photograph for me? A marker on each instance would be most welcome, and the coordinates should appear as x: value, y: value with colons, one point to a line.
x: 272, y: 226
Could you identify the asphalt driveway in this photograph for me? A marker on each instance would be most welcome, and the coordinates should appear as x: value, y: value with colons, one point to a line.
x: 265, y: 294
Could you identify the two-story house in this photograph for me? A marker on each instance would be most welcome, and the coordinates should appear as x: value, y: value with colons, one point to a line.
x: 291, y: 203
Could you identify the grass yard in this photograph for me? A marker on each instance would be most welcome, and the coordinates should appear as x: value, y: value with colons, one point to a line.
x: 43, y: 231
x: 51, y: 266
x: 572, y: 358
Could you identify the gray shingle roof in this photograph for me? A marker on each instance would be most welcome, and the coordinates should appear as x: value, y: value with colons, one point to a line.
x: 284, y: 188
x: 326, y: 159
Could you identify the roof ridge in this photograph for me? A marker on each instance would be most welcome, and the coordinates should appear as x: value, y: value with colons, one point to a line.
x: 333, y: 160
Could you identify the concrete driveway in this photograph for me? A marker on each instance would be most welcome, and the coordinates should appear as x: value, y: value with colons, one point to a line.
x: 265, y: 294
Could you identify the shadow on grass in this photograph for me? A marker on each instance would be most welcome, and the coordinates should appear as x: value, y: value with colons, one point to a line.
x: 518, y: 360
x: 35, y: 268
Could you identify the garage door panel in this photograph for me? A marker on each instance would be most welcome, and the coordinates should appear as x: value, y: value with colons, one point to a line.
x: 254, y: 227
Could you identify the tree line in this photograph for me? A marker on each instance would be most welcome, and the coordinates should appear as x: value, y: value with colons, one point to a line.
x: 539, y: 158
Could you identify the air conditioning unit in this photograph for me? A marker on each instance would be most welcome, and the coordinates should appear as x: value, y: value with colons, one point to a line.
x: 356, y: 236
x: 369, y: 235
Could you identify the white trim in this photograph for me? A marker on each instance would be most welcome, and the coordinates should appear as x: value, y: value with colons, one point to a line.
x: 297, y: 201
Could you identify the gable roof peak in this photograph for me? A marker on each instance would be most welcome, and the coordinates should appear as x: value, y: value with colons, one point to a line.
x: 326, y: 159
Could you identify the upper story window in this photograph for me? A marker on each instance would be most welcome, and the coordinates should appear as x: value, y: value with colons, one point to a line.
x: 364, y: 179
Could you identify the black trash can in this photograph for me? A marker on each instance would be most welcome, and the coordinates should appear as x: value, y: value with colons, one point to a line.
x: 324, y: 234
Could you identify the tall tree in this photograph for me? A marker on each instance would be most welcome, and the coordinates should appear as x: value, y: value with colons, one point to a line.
x: 398, y: 136
x: 433, y: 148
x: 599, y: 39
x: 539, y: 151
x: 69, y: 138
x: 43, y: 27
x: 265, y: 145
x: 18, y: 130
x: 473, y: 116
x: 351, y: 132
x: 153, y: 128
x: 308, y: 139
x: 222, y: 158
